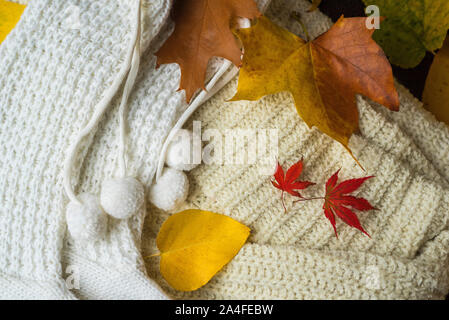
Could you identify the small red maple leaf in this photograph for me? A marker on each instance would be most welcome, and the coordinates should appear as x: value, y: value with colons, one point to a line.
x: 289, y: 182
x: 336, y: 202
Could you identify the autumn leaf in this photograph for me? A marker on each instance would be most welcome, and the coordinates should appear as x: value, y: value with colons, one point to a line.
x: 436, y: 91
x: 203, y: 31
x: 10, y: 14
x: 338, y: 202
x: 412, y: 27
x: 289, y: 182
x: 194, y: 245
x: 323, y: 75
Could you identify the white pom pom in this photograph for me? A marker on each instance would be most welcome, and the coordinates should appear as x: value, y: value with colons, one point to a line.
x: 122, y: 197
x: 170, y: 191
x: 86, y: 221
x: 179, y: 151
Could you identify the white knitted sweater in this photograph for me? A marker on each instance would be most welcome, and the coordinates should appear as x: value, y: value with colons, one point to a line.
x: 52, y: 77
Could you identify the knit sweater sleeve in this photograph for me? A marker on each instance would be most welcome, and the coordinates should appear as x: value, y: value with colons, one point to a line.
x: 289, y: 272
x: 420, y: 125
x: 296, y: 255
x: 409, y: 232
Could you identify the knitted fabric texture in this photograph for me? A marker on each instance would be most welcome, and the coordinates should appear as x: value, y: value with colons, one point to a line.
x: 51, y: 78
x: 296, y: 255
x: 154, y: 107
x: 20, y: 1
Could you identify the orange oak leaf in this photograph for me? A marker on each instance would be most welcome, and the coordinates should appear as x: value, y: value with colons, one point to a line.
x: 323, y: 76
x: 289, y: 182
x: 338, y: 202
x: 203, y: 31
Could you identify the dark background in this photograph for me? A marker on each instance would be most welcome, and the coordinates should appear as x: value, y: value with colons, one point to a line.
x: 413, y: 79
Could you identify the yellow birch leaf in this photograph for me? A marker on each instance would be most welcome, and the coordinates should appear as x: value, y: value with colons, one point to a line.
x: 436, y: 91
x: 10, y: 14
x: 194, y: 245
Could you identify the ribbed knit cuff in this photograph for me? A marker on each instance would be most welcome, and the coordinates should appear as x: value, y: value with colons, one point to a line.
x: 100, y: 281
x: 13, y: 288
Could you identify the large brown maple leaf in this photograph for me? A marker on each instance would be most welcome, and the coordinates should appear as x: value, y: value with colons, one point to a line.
x: 203, y: 31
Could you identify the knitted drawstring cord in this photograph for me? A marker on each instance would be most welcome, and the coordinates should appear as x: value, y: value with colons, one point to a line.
x: 120, y: 197
x: 130, y: 67
x: 217, y: 82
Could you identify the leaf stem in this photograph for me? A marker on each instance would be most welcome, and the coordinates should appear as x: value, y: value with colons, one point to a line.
x: 153, y: 255
x: 296, y: 16
x: 307, y: 199
x: 283, y: 203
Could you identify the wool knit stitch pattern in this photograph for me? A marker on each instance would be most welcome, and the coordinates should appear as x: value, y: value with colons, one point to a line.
x: 296, y: 255
x: 52, y: 77
x: 154, y: 107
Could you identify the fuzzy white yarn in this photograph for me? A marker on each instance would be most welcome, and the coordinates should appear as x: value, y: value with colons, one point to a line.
x: 86, y: 219
x: 121, y: 197
x: 170, y: 191
x: 179, y: 152
x: 197, y: 101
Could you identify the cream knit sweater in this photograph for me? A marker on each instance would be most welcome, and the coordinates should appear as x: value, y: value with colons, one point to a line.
x: 296, y: 255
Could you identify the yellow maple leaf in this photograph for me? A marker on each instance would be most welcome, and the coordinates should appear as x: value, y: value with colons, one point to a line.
x: 323, y: 75
x: 10, y: 14
x: 194, y: 245
x: 436, y: 91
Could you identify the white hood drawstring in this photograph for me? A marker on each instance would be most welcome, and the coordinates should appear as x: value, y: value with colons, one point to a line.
x: 171, y: 186
x: 197, y: 101
x: 215, y: 84
x: 120, y: 197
